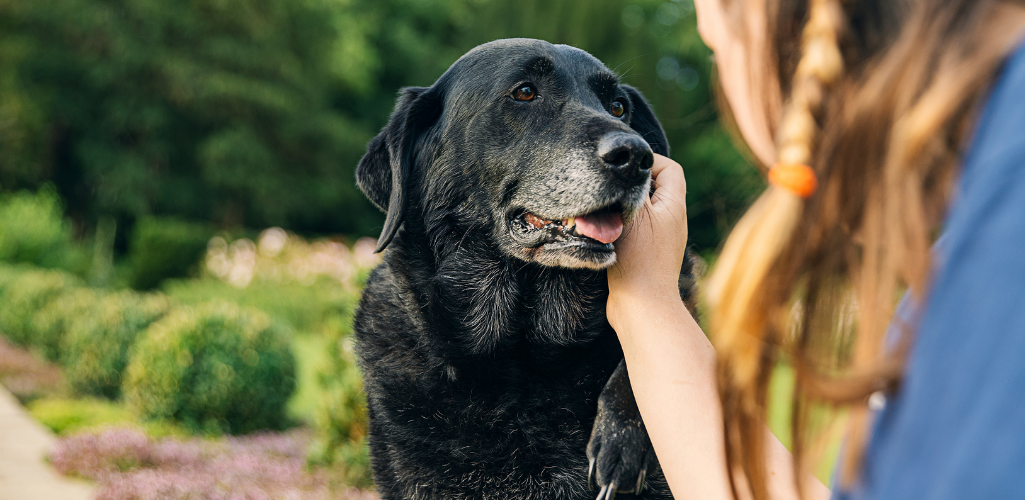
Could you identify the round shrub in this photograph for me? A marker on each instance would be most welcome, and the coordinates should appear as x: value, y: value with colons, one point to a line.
x: 52, y: 322
x: 8, y: 273
x: 341, y: 418
x: 24, y: 293
x: 213, y: 367
x: 95, y: 349
x: 33, y: 228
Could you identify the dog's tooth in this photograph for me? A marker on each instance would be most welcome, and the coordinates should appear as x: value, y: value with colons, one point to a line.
x: 569, y: 222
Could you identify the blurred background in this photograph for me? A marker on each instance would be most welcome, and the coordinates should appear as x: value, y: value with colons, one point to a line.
x: 181, y: 237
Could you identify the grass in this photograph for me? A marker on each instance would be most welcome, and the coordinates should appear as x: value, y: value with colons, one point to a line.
x: 310, y: 357
x: 781, y: 393
x: 306, y: 308
x: 66, y: 416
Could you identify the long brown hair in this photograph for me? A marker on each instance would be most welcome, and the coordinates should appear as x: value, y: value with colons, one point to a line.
x: 882, y: 98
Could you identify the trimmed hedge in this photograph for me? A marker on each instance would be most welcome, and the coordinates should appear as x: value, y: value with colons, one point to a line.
x: 216, y: 367
x: 52, y: 322
x: 96, y: 346
x: 23, y: 293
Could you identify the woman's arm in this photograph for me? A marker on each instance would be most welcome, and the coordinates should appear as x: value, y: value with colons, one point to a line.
x: 671, y: 362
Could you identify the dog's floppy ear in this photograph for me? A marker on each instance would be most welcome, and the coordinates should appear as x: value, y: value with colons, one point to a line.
x: 383, y: 172
x: 643, y: 121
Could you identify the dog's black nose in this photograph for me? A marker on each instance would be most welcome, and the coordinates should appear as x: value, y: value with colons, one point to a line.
x: 626, y: 153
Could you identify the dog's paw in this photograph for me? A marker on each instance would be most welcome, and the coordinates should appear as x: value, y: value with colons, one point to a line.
x: 620, y: 456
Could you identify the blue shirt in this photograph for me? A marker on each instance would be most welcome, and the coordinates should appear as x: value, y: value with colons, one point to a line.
x: 956, y: 427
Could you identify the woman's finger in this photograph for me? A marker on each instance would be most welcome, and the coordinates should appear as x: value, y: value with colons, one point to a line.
x: 661, y: 162
x: 670, y: 183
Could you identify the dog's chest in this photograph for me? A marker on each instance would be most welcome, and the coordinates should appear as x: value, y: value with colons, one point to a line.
x: 501, y: 437
x: 515, y: 417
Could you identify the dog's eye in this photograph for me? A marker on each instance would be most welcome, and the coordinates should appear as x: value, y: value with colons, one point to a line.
x: 617, y: 109
x: 524, y: 93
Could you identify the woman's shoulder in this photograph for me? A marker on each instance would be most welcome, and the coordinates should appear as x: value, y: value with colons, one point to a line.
x: 999, y: 137
x: 956, y: 427
x: 989, y: 201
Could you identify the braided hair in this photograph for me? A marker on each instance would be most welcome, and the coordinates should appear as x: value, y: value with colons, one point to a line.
x: 882, y: 96
x: 742, y: 335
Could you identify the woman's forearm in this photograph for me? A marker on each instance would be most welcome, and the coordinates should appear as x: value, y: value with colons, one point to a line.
x: 672, y: 373
x: 671, y: 363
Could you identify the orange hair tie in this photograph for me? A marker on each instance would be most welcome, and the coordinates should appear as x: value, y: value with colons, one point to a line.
x: 794, y: 177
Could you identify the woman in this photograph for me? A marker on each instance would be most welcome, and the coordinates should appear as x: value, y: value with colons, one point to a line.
x: 886, y: 122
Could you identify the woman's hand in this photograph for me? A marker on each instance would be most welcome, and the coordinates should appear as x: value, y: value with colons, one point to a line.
x: 650, y: 253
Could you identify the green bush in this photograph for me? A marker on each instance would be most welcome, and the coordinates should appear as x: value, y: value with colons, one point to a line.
x: 213, y: 367
x: 164, y: 248
x: 68, y: 416
x: 304, y: 308
x: 96, y: 347
x: 32, y: 228
x: 8, y: 274
x: 341, y: 419
x: 25, y: 291
x: 52, y: 322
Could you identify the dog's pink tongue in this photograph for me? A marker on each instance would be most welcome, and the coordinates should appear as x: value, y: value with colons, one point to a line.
x: 605, y: 228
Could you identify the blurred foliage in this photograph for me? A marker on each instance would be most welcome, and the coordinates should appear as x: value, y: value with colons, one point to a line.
x: 341, y: 418
x: 25, y: 291
x: 255, y: 112
x: 52, y: 322
x: 93, y: 332
x: 314, y: 287
x: 66, y: 416
x: 310, y: 359
x: 305, y: 284
x: 214, y: 367
x: 303, y: 307
x: 33, y: 230
x: 163, y: 248
x: 209, y: 109
x: 96, y: 347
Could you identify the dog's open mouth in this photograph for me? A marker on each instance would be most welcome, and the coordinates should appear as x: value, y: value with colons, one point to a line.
x: 601, y: 227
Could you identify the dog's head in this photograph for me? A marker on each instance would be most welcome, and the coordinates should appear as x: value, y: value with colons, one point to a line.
x: 537, y: 146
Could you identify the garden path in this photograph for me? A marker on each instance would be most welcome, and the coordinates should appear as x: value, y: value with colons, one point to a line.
x: 24, y: 473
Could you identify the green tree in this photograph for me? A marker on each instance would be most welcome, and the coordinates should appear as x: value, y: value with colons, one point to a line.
x: 208, y: 109
x: 255, y: 112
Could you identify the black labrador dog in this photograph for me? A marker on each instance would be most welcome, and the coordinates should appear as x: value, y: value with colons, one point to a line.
x: 490, y: 369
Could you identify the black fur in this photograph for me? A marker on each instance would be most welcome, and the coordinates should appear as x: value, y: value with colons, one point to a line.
x: 483, y: 342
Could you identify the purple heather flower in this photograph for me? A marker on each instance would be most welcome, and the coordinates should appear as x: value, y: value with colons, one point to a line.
x: 128, y: 465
